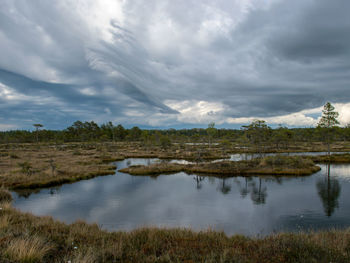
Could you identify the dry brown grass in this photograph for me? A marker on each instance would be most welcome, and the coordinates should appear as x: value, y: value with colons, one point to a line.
x: 28, y: 249
x: 44, y: 165
x: 333, y: 158
x: 27, y: 238
x: 5, y: 195
x: 21, y: 240
x: 49, y: 165
x: 272, y: 165
x: 4, y: 222
x: 82, y: 257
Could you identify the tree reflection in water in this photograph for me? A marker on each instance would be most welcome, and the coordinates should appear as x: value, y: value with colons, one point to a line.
x: 224, y: 188
x: 245, y: 190
x: 257, y: 191
x: 329, y: 191
x: 198, y: 180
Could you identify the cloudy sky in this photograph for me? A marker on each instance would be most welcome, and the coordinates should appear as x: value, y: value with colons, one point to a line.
x: 166, y: 63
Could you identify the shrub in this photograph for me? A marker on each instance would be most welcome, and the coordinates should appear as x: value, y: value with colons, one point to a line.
x: 26, y: 168
x: 165, y: 142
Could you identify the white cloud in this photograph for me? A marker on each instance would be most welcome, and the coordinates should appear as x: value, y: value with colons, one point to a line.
x: 14, y: 97
x: 6, y: 127
x: 90, y: 91
x: 97, y: 15
x: 134, y: 113
x: 300, y: 118
x: 344, y: 113
x: 204, y: 112
x: 197, y: 112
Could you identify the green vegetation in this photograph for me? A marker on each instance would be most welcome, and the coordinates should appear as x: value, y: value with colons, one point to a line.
x: 255, y: 137
x: 211, y: 131
x: 37, y: 126
x: 271, y: 165
x: 258, y: 133
x: 327, y: 122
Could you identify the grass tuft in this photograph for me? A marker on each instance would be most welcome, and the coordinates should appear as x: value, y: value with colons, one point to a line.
x: 28, y: 250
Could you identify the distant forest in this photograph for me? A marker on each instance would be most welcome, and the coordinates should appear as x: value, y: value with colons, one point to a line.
x: 257, y: 130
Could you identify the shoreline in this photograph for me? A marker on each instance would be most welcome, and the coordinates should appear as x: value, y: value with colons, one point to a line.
x: 53, y: 165
x: 29, y: 238
x: 53, y: 241
x: 271, y: 165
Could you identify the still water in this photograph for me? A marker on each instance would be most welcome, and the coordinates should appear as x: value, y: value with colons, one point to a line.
x: 239, y: 205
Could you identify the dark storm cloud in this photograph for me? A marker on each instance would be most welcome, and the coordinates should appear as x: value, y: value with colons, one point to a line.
x: 153, y: 62
x: 303, y: 54
x: 66, y: 93
x: 322, y: 33
x: 43, y: 42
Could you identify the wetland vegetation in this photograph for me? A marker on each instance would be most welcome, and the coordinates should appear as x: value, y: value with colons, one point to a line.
x: 27, y: 238
x: 270, y: 165
x: 44, y: 158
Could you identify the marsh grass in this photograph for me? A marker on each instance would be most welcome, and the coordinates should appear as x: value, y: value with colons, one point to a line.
x: 27, y: 238
x: 77, y: 161
x: 333, y: 158
x: 50, y: 165
x: 272, y: 165
x: 46, y: 165
x: 5, y: 195
x: 5, y: 221
x: 28, y: 249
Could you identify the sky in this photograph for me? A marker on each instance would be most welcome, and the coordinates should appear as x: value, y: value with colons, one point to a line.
x: 166, y: 63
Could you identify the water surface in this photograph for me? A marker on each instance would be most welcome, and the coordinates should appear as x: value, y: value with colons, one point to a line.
x: 239, y: 205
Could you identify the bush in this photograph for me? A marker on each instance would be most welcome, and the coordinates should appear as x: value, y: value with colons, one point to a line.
x: 26, y: 168
x: 165, y: 142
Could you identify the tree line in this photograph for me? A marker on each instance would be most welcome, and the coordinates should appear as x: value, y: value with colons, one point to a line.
x: 257, y: 133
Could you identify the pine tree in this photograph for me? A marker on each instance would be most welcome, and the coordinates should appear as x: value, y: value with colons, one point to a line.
x: 37, y: 126
x: 328, y: 121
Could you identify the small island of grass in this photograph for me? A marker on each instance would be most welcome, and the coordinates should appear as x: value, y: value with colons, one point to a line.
x: 332, y: 158
x: 271, y: 165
